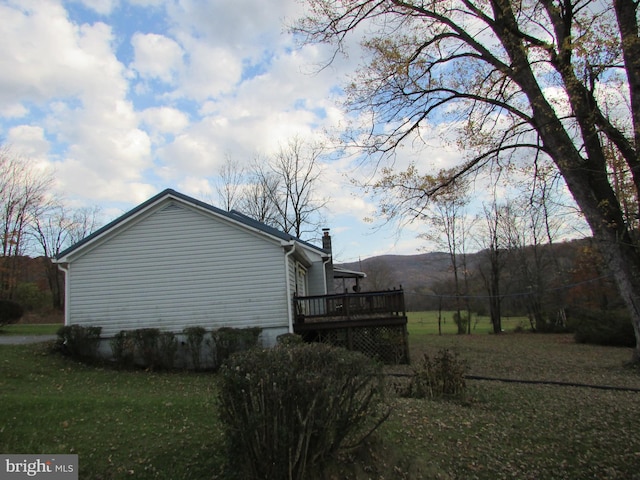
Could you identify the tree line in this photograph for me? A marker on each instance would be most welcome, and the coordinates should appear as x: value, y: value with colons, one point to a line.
x: 34, y: 221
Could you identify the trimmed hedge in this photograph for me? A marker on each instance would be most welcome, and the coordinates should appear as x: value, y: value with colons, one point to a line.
x: 155, y: 349
x: 123, y: 349
x: 227, y: 341
x: 79, y: 342
x: 194, y: 340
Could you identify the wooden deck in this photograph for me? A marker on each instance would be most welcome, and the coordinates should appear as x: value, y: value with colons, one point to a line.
x: 374, y: 323
x: 352, y: 307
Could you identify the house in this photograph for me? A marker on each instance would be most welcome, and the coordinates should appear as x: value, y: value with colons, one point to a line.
x: 175, y: 262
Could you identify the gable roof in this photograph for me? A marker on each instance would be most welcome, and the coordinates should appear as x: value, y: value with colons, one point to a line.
x: 233, y: 216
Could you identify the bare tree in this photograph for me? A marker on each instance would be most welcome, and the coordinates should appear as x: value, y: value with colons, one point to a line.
x: 285, y: 192
x: 229, y: 187
x: 84, y: 221
x: 56, y: 228
x: 260, y: 193
x: 526, y: 227
x: 486, y: 66
x: 491, y: 270
x: 23, y: 189
x: 447, y: 218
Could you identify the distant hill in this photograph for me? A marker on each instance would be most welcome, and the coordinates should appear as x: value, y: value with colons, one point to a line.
x: 420, y: 272
x: 410, y: 271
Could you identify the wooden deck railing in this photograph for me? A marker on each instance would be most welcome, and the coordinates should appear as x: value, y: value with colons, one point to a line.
x: 349, y: 306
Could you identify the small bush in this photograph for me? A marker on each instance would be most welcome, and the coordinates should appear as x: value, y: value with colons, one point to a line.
x: 194, y: 340
x: 146, y: 343
x: 31, y: 297
x: 10, y: 312
x: 123, y: 348
x: 227, y: 341
x: 79, y: 341
x: 286, y: 410
x: 149, y: 346
x: 462, y: 322
x: 167, y: 349
x: 609, y: 328
x: 289, y: 339
x: 439, y: 377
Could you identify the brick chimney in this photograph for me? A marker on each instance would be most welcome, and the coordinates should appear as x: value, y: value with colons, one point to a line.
x: 326, y: 245
x: 326, y: 240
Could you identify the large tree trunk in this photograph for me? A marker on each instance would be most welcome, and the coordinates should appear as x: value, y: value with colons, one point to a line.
x: 587, y: 180
x: 588, y: 183
x: 623, y: 262
x: 583, y: 167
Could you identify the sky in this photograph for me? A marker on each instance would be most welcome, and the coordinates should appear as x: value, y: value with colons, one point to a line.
x: 122, y: 99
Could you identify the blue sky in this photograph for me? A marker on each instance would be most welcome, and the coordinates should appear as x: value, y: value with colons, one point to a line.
x: 125, y: 99
x: 122, y: 99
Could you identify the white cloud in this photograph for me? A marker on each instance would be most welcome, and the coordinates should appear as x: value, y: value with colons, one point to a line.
x: 156, y: 56
x: 197, y: 187
x: 248, y: 27
x: 210, y: 71
x: 77, y: 179
x: 72, y: 71
x: 49, y: 57
x: 15, y: 110
x: 193, y: 152
x: 29, y: 141
x: 165, y: 119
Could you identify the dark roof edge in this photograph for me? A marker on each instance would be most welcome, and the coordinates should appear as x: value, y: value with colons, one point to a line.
x: 233, y: 215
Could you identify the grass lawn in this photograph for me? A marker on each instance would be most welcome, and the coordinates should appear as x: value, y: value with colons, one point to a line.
x: 144, y: 425
x: 426, y: 323
x: 30, y: 329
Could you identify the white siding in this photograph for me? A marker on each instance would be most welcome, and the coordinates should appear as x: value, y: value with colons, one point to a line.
x: 291, y: 265
x: 175, y: 268
x: 316, y: 279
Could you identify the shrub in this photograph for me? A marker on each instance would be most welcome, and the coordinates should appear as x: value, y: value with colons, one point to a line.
x: 31, y: 297
x: 79, y: 341
x: 195, y: 337
x: 286, y: 410
x: 227, y: 341
x: 462, y: 322
x: 146, y: 344
x: 167, y: 349
x: 123, y: 348
x: 10, y: 312
x: 610, y: 328
x: 155, y: 349
x: 439, y: 377
x: 289, y: 339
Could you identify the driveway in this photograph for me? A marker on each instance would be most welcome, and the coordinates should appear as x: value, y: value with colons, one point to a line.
x: 22, y: 339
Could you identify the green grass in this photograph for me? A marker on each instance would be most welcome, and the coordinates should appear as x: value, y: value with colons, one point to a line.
x: 426, y: 323
x: 122, y: 424
x: 144, y: 425
x: 30, y: 329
